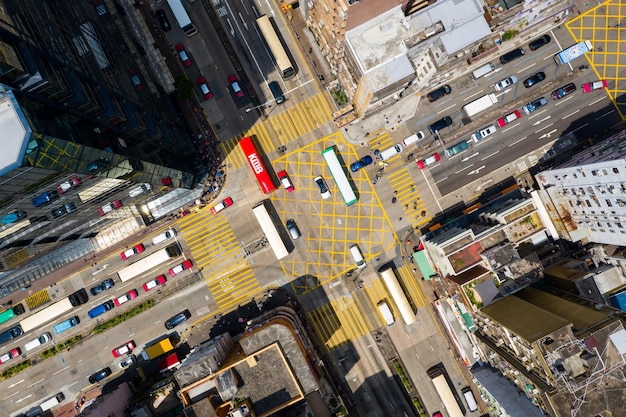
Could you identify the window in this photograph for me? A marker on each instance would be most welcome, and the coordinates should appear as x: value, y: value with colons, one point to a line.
x: 605, y: 172
x: 594, y: 172
x: 615, y: 170
x: 608, y: 202
x: 588, y: 203
x: 575, y: 175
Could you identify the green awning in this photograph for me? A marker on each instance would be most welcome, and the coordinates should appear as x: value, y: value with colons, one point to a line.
x: 424, y: 266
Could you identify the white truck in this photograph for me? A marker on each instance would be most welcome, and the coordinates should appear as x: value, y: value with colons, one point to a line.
x: 479, y: 105
x: 385, y: 311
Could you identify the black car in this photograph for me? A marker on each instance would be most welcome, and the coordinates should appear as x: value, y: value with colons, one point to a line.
x: 103, y: 286
x: 100, y: 375
x: 440, y: 124
x: 537, y: 78
x: 177, y: 319
x: 165, y: 24
x: 539, y: 42
x: 511, y: 55
x: 434, y: 95
x: 63, y: 210
x: 563, y: 91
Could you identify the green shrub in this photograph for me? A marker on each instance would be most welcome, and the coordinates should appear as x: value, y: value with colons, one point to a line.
x: 16, y: 369
x: 60, y: 347
x: 405, y: 381
x: 509, y: 34
x: 123, y: 317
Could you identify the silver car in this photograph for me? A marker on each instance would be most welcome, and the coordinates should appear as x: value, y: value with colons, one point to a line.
x: 507, y: 82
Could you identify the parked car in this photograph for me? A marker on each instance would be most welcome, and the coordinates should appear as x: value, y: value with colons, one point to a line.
x: 132, y: 251
x: 534, y: 79
x: 182, y: 54
x: 512, y: 55
x: 127, y: 361
x: 234, y: 84
x: 534, y: 105
x: 285, y: 181
x: 292, y: 228
x: 201, y: 81
x: 103, y: 286
x: 457, y: 149
x: 503, y: 121
x: 160, y: 280
x: 539, y: 42
x: 321, y: 184
x: 561, y: 92
x: 124, y: 349
x: 68, y: 185
x: 180, y: 268
x: 100, y: 375
x: 227, y: 202
x: 13, y: 353
x: 134, y: 78
x: 596, y: 85
x: 177, y: 319
x: 507, y: 82
x: 109, y: 207
x: 440, y: 124
x: 442, y: 91
x: 126, y: 297
x: 361, y: 163
x: 163, y: 21
x: 483, y: 133
x: 13, y: 216
x: 423, y: 163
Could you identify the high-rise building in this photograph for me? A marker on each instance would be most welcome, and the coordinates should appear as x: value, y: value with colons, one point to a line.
x: 586, y: 195
x: 89, y: 131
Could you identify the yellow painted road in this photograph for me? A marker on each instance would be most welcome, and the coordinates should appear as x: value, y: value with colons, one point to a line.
x: 37, y: 299
x: 282, y: 126
x: 409, y: 197
x: 215, y: 249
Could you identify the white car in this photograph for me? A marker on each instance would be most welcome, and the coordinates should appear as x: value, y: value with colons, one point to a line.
x: 483, y: 133
x: 321, y: 184
x: 507, y: 82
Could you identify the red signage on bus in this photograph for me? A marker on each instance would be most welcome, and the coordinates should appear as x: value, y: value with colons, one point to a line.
x: 256, y: 163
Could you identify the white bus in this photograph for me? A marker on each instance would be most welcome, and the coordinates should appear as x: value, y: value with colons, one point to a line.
x: 276, y: 48
x: 437, y: 376
x: 339, y: 175
x: 182, y: 18
x: 269, y: 229
x: 149, y: 262
x: 41, y: 317
x: 397, y: 294
x: 479, y: 105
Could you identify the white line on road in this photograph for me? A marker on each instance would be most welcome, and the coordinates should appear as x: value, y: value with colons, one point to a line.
x: 517, y: 141
x: 594, y: 102
x: 530, y: 66
x: 23, y: 398
x: 61, y: 370
x: 606, y: 114
x: 447, y: 108
x: 35, y: 383
x: 490, y: 155
x: 443, y: 179
x: 509, y: 128
x: 493, y: 73
x: 18, y: 382
x: 578, y: 128
x: 563, y: 100
x: 537, y: 114
x: 571, y: 114
x: 475, y: 94
x: 545, y: 127
x: 463, y: 169
x: 538, y: 122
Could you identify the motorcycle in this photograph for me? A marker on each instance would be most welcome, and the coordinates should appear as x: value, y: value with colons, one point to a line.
x: 583, y: 67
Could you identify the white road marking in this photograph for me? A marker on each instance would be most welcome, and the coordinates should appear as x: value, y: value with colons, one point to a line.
x: 545, y: 127
x: 447, y: 108
x: 594, y: 102
x: 490, y: 155
x: 530, y: 66
x: 563, y: 100
x: 571, y: 114
x: 463, y: 169
x: 517, y: 141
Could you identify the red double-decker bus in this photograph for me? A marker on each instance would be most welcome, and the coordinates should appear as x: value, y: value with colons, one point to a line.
x: 256, y: 163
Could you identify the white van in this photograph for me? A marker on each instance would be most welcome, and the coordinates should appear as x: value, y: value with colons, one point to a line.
x: 482, y: 71
x: 385, y: 311
x: 414, y: 138
x: 35, y: 343
x: 162, y: 237
x: 358, y: 256
x: 389, y: 152
x: 139, y: 190
x: 469, y: 399
x: 52, y: 402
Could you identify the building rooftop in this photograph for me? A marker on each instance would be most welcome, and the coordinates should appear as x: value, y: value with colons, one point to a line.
x: 15, y: 131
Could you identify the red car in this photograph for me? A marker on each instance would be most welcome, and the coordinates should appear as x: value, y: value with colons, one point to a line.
x: 109, y: 207
x: 285, y: 181
x: 68, y: 185
x: 182, y: 54
x: 132, y: 251
x: 201, y: 81
x: 227, y: 202
x: 160, y: 280
x: 596, y: 85
x: 234, y: 84
x: 13, y: 353
x: 124, y: 349
x: 511, y: 117
x: 126, y: 297
x: 180, y: 268
x: 423, y: 163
